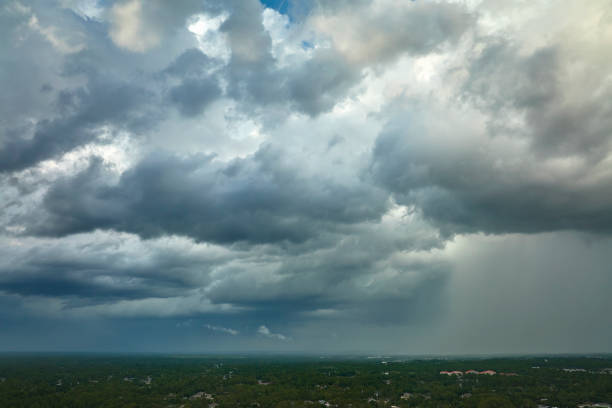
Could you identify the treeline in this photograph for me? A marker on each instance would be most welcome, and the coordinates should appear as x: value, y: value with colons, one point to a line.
x: 193, y: 381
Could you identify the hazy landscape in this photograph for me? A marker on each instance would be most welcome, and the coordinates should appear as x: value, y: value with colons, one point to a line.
x: 303, y: 381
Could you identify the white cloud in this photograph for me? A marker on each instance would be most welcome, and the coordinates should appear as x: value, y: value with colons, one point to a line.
x: 211, y: 41
x: 382, y: 30
x: 222, y: 329
x: 264, y: 331
x: 130, y: 30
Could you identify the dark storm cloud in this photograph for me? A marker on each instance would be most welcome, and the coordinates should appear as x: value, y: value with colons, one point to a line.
x: 288, y: 218
x: 362, y: 273
x: 466, y: 192
x: 192, y: 63
x: 496, y: 186
x: 197, y: 88
x: 24, y: 78
x: 257, y: 199
x: 85, y: 110
x: 112, y: 268
x: 501, y: 77
x: 308, y: 268
x: 193, y: 95
x: 333, y: 289
x: 314, y: 90
x: 365, y: 278
x: 42, y: 284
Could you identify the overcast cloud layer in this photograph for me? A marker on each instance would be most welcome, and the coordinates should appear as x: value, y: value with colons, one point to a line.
x: 315, y: 176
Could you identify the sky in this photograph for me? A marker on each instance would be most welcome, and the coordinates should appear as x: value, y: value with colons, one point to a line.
x: 315, y: 176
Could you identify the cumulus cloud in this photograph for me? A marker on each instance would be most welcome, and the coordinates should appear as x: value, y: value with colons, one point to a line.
x: 264, y: 331
x: 464, y: 181
x: 102, y: 267
x: 86, y: 114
